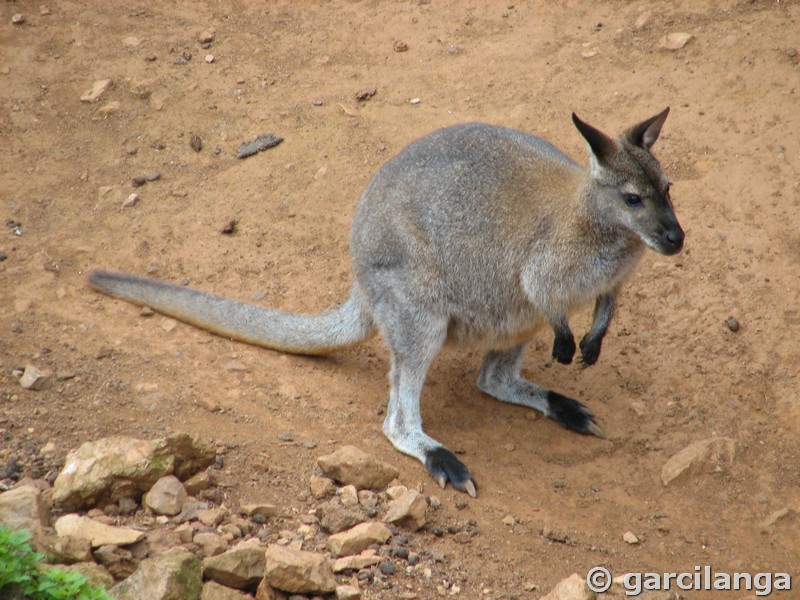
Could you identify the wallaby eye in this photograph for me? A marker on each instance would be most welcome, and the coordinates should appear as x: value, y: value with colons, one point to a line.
x: 633, y: 199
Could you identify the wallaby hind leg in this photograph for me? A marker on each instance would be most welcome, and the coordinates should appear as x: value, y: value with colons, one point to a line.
x: 414, y: 342
x: 500, y: 377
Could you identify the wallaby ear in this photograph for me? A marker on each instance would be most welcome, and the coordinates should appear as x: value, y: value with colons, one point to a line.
x: 602, y: 146
x: 646, y: 133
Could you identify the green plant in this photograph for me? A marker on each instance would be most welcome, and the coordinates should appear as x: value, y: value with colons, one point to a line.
x: 23, y: 573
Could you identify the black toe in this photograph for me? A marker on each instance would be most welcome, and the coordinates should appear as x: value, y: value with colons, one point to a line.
x: 571, y: 413
x: 444, y: 466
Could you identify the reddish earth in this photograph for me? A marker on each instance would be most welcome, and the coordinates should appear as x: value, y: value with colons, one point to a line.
x: 672, y: 372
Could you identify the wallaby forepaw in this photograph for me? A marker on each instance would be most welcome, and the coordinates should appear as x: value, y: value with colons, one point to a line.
x: 572, y: 414
x: 564, y: 349
x: 444, y: 466
x: 590, y: 351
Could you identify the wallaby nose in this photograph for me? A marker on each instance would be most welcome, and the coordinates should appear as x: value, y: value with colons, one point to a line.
x: 674, y: 240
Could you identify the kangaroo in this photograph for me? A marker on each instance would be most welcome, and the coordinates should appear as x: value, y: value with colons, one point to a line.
x: 474, y: 234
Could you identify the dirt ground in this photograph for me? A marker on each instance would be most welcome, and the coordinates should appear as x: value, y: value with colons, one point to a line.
x: 672, y: 372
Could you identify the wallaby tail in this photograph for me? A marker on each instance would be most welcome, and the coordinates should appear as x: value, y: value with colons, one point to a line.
x: 345, y: 325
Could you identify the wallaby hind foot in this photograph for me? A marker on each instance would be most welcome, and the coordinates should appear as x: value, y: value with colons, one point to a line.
x: 473, y: 234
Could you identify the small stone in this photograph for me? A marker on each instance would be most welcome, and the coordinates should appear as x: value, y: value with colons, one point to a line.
x: 348, y: 495
x: 350, y: 465
x: 210, y: 543
x: 241, y: 567
x: 395, y: 491
x: 674, y: 41
x: 733, y: 324
x: 400, y: 46
x: 34, y: 379
x: 146, y: 311
x: 298, y: 571
x: 214, y: 591
x: 23, y: 507
x: 630, y: 538
x: 572, y: 588
x: 18, y: 19
x: 261, y: 509
x: 358, y: 538
x: 207, y: 36
x: 356, y: 562
x: 229, y: 227
x: 365, y: 95
x: 408, y: 511
x: 131, y: 41
x: 698, y: 454
x: 131, y: 201
x: 98, y: 533
x: 321, y: 487
x: 152, y: 176
x: 211, y: 517
x: 99, y: 87
x: 109, y: 109
x: 335, y: 517
x: 209, y: 404
x: 196, y: 143
x: 386, y: 568
x: 415, y: 101
x: 509, y: 520
x: 209, y: 58
x: 138, y: 181
x: 347, y: 592
x: 166, y: 497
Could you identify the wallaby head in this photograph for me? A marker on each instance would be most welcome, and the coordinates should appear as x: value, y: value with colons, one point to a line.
x: 628, y: 186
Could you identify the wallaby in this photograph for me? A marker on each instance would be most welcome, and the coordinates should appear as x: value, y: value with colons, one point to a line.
x: 474, y: 233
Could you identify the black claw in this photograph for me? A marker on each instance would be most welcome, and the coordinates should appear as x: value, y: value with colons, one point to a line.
x: 564, y: 349
x: 444, y: 466
x: 590, y: 350
x: 572, y: 414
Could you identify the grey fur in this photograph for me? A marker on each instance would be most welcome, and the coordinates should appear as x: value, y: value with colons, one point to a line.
x: 476, y: 234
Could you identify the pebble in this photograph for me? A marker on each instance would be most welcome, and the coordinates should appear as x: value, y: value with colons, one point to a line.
x: 415, y: 101
x: 207, y: 36
x: 674, y: 41
x: 630, y: 538
x: 131, y: 200
x: 18, y: 19
x: 99, y: 87
x: 733, y: 324
x: 400, y: 46
x: 34, y: 379
x: 209, y: 58
x: 196, y: 143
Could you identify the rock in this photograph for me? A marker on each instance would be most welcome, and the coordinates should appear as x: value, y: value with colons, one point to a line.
x: 348, y: 496
x: 358, y: 538
x: 298, y: 571
x: 572, y: 588
x: 23, y: 508
x: 118, y: 561
x: 210, y: 58
x: 103, y: 471
x: 161, y: 541
x: 199, y: 482
x: 131, y: 41
x: 395, y: 491
x: 698, y: 454
x: 351, y: 465
x: 34, y: 379
x: 206, y: 37
x: 196, y: 143
x: 335, y: 517
x: 774, y: 517
x: 109, y: 109
x: 674, y: 41
x: 214, y: 591
x: 321, y: 487
x: 265, y: 591
x: 211, y: 517
x: 68, y: 549
x: 630, y: 538
x: 347, y: 592
x: 210, y: 543
x: 131, y: 200
x: 99, y: 87
x: 399, y: 46
x: 733, y: 324
x: 166, y: 497
x: 263, y: 509
x: 241, y: 567
x: 96, y: 575
x: 408, y: 511
x: 167, y: 577
x: 368, y: 558
x: 17, y: 19
x: 99, y: 534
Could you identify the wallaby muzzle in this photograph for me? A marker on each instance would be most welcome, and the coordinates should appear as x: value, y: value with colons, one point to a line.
x: 671, y: 238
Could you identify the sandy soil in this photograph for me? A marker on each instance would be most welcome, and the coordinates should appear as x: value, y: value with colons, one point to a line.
x: 672, y: 372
